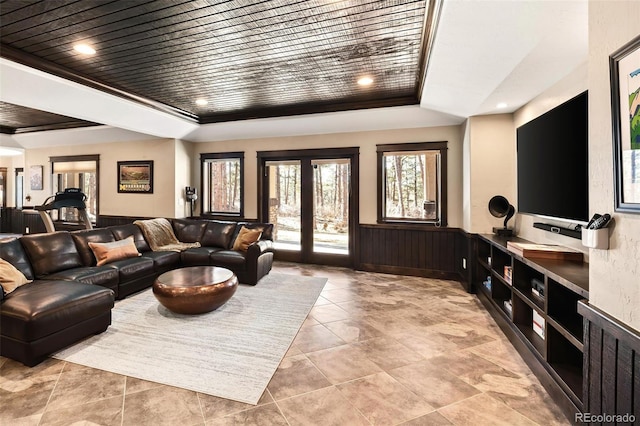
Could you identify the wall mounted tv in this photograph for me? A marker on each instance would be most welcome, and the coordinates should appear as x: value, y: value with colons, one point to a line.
x: 553, y: 163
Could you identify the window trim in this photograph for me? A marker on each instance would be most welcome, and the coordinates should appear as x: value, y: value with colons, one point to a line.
x: 440, y: 146
x: 238, y: 155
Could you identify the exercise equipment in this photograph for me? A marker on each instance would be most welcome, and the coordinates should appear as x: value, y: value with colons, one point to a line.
x: 69, y: 198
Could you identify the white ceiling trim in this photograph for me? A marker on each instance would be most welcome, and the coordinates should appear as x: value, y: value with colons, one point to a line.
x: 402, y: 117
x: 77, y: 136
x: 29, y: 87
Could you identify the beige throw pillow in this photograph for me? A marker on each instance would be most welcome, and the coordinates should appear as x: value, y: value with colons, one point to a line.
x: 246, y: 237
x: 117, y: 250
x: 10, y: 277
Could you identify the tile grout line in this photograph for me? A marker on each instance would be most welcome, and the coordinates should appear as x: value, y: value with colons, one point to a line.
x: 204, y: 420
x: 124, y: 398
x: 51, y: 394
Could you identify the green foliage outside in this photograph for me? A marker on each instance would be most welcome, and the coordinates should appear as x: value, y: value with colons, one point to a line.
x: 635, y: 122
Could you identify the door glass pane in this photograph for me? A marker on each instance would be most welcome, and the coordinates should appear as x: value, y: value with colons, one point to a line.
x: 284, y: 203
x: 331, y: 206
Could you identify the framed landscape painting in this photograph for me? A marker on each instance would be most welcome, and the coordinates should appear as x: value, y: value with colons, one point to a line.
x: 135, y: 177
x: 624, y: 66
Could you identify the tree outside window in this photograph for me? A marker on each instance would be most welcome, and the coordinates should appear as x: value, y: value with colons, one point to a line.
x: 222, y: 184
x: 412, y: 182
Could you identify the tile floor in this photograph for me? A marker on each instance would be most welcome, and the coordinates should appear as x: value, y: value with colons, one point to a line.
x: 376, y: 349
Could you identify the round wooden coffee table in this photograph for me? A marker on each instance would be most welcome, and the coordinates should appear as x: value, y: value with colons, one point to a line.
x: 195, y: 289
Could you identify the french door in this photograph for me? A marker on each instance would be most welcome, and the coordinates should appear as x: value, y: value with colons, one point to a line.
x: 311, y: 198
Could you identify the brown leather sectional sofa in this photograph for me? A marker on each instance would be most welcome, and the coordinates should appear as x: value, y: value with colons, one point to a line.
x: 71, y: 298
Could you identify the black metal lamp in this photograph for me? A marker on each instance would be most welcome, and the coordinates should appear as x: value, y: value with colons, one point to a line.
x: 499, y: 206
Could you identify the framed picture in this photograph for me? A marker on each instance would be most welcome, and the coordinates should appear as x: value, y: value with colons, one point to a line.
x: 35, y: 177
x: 624, y: 66
x: 135, y: 177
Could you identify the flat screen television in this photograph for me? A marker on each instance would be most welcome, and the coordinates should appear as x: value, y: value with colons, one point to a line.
x: 553, y: 163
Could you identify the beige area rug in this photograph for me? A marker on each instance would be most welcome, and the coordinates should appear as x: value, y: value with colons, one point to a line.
x: 231, y: 353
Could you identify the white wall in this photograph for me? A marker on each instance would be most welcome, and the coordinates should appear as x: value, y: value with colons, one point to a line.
x: 366, y: 141
x: 614, y: 274
x: 163, y: 152
x: 491, y: 168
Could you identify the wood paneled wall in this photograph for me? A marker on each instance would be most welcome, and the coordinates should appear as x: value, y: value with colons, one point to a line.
x: 611, y: 366
x: 412, y: 250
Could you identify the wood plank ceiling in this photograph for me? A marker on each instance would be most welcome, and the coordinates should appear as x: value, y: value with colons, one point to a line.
x: 248, y: 59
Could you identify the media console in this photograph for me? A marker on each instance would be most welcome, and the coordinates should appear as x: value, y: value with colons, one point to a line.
x: 535, y: 302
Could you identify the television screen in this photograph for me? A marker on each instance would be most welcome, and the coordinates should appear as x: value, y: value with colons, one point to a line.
x: 553, y: 162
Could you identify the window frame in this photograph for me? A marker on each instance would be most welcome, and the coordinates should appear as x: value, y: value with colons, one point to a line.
x: 220, y: 156
x: 441, y: 147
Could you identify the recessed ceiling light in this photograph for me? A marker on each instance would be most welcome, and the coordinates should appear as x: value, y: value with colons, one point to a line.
x: 201, y: 102
x: 365, y: 81
x: 501, y: 105
x: 85, y: 49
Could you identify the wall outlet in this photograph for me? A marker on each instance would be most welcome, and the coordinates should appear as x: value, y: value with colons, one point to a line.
x: 26, y: 230
x: 464, y: 263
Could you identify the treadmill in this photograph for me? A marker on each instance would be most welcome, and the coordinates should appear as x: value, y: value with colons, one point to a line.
x: 70, y: 197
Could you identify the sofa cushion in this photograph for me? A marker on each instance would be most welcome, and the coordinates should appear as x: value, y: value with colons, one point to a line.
x: 116, y: 250
x: 44, y: 307
x: 188, y: 231
x: 10, y: 277
x: 84, y: 237
x: 133, y: 268
x: 198, y: 256
x: 96, y: 275
x: 246, y: 237
x: 229, y: 259
x: 218, y: 234
x: 163, y: 260
x: 13, y: 252
x: 123, y: 231
x: 51, y: 252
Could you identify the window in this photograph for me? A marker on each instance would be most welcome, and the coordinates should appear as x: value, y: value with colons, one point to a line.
x: 412, y: 184
x: 223, y: 184
x: 76, y: 171
x: 19, y: 187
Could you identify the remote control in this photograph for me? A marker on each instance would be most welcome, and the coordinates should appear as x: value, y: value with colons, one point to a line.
x: 601, y: 222
x: 593, y: 219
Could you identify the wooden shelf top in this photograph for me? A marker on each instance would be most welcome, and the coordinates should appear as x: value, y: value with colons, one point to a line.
x: 570, y: 274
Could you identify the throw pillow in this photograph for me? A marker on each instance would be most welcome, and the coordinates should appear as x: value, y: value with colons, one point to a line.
x: 246, y: 237
x: 10, y: 277
x: 116, y: 250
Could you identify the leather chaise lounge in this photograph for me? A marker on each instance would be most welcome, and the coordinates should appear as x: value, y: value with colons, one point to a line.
x: 71, y: 298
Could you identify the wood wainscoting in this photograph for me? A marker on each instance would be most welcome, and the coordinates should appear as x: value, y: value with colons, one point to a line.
x: 611, y: 366
x: 418, y: 250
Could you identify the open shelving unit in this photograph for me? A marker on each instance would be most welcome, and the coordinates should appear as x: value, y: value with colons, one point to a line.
x: 557, y: 344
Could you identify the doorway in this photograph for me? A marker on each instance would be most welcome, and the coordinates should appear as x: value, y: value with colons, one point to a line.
x: 311, y: 196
